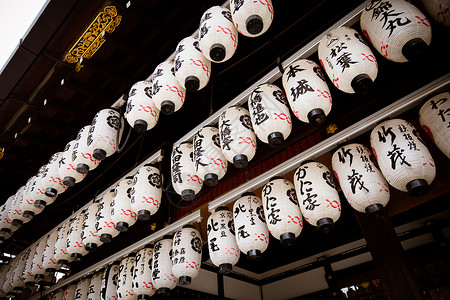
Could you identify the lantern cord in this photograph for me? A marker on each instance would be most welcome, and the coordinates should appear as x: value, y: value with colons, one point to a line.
x: 280, y: 66
x: 211, y: 98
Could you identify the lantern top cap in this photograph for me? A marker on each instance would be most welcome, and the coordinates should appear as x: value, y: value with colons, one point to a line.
x: 167, y: 236
x: 307, y: 161
x: 185, y: 142
x: 150, y: 165
x: 222, y: 208
x: 276, y: 177
x: 248, y: 194
x: 188, y: 226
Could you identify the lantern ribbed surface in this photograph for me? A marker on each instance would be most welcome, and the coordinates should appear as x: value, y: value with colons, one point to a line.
x: 348, y: 60
x: 192, y: 68
x: 59, y: 295
x: 37, y: 191
x: 2, y: 280
x: 141, y: 113
x: 7, y: 285
x: 121, y: 213
x: 162, y: 275
x: 109, y: 283
x: 104, y: 225
x: 81, y: 291
x: 6, y: 227
x: 49, y: 262
x: 125, y: 279
x: 185, y: 181
x: 95, y: 285
x: 26, y: 204
x: 252, y: 18
x: 396, y: 28
x: 69, y: 292
x: 142, y: 279
x: 28, y: 267
x: 51, y: 181
x: 270, y: 114
x: 37, y: 269
x: 362, y: 183
x: 433, y: 119
x: 168, y: 95
x: 237, y: 137
x: 60, y: 250
x: 67, y: 169
x: 75, y: 245
x: 283, y: 216
x: 218, y: 37
x: 223, y: 249
x: 317, y: 196
x: 307, y: 91
x: 15, y: 214
x: 210, y: 163
x: 186, y: 254
x: 90, y: 236
x: 438, y: 10
x: 82, y: 152
x: 18, y: 279
x: 404, y: 160
x: 146, y: 192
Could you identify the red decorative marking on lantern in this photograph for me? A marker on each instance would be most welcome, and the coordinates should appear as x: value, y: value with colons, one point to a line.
x: 229, y: 32
x: 40, y: 191
x: 261, y: 237
x: 247, y: 140
x: 174, y: 89
x: 283, y: 117
x: 71, y: 167
x: 428, y: 131
x: 370, y: 58
x: 443, y: 11
x: 199, y: 63
x: 383, y: 49
x: 423, y: 21
x: 63, y: 251
x: 333, y: 204
x: 148, y: 285
x: 129, y: 293
x: 53, y: 261
x: 192, y: 265
x: 366, y: 34
x: 147, y: 109
x: 56, y: 180
x: 92, y: 233
x: 151, y: 200
x: 170, y: 277
x: 296, y: 113
x: 294, y: 219
x: 234, y: 252
x: 129, y: 212
x: 88, y: 156
x: 218, y: 162
x: 79, y: 244
x: 383, y: 187
x: 108, y: 140
x: 335, y: 81
x: 18, y: 212
x: 110, y: 225
x: 266, y: 3
x: 429, y: 159
x: 194, y: 178
x: 324, y: 94
x: 31, y: 202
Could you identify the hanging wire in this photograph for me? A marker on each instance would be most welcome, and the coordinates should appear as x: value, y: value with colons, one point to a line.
x: 120, y: 149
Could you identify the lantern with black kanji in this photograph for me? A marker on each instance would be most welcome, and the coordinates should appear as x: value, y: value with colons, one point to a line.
x: 75, y: 245
x: 37, y: 269
x: 69, y: 292
x: 59, y: 295
x: 192, y: 69
x: 125, y: 278
x: 51, y: 180
x: 2, y: 280
x: 146, y: 192
x: 168, y: 95
x: 26, y: 205
x: 270, y: 114
x: 184, y: 179
x: 283, y: 216
x: 237, y: 138
x: 252, y: 18
x: 403, y: 158
x: 186, y: 254
x: 362, y: 183
x: 434, y: 119
x: 218, y: 37
x: 6, y: 228
x: 60, y: 249
x: 109, y: 282
x: 141, y: 113
x: 28, y: 276
x: 90, y: 237
x: 67, y: 169
x: 307, y: 91
x: 210, y: 163
x: 82, y: 157
x: 82, y: 289
x: 18, y: 280
x: 49, y: 262
x: 95, y: 284
x: 162, y: 276
x: 105, y: 133
x: 37, y: 192
x: 397, y: 29
x: 223, y: 250
x: 7, y: 284
x: 317, y: 196
x: 104, y: 225
x: 121, y: 213
x: 15, y: 214
x: 438, y: 10
x: 348, y: 61
x: 142, y: 279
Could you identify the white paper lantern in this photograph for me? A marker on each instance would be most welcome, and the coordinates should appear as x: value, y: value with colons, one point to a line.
x: 51, y: 180
x: 348, y: 61
x: 186, y: 254
x: 75, y: 245
x: 82, y: 156
x: 59, y: 295
x: 18, y: 280
x: 49, y: 262
x: 283, y: 215
x: 146, y: 192
x: 252, y: 18
x: 15, y: 214
x: 104, y: 225
x: 95, y: 286
x: 142, y: 113
x: 435, y: 120
x: 142, y: 279
x: 362, y: 183
x: 37, y: 269
x: 28, y: 276
x: 26, y: 204
x: 67, y: 169
x: 125, y: 279
x: 60, y: 250
x: 121, y: 213
x: 162, y: 276
x: 37, y: 191
x: 396, y: 28
x: 237, y: 138
x: 69, y: 292
x: 6, y: 228
x: 404, y: 160
x: 192, y: 69
x: 105, y: 133
x: 209, y: 161
x: 223, y: 250
x: 91, y: 238
x: 270, y: 114
x: 7, y: 284
x: 2, y: 280
x: 184, y: 179
x: 317, y: 196
x: 109, y: 282
x: 168, y: 94
x: 218, y: 37
x: 438, y: 10
x: 82, y: 289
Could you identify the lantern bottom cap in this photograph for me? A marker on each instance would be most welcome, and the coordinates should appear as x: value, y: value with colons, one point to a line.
x: 240, y: 161
x: 50, y: 271
x: 217, y: 52
x: 18, y: 289
x: 76, y: 256
x: 414, y: 49
x: 143, y: 215
x: 140, y: 126
x: 276, y: 177
x: 99, y: 154
x: 245, y: 194
x: 362, y: 84
x: 417, y: 187
x: 325, y: 225
x: 225, y: 268
x: 375, y: 210
x: 317, y: 116
x: 122, y: 226
x: 91, y: 247
x: 16, y: 222
x: 30, y: 283
x: 40, y: 204
x: 254, y: 255
x: 184, y: 280
x: 192, y: 83
x: 254, y: 24
x: 63, y: 262
x: 39, y: 277
x: 28, y: 214
x: 275, y: 139
x: 143, y: 297
x: 82, y: 168
x: 165, y: 292
x: 5, y: 230
x: 188, y: 195
x: 167, y: 107
x: 51, y: 192
x: 287, y: 239
x: 211, y: 179
x: 222, y: 208
x: 106, y: 238
x: 69, y: 181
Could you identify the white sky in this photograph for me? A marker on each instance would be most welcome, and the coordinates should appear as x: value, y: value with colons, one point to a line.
x: 16, y: 16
